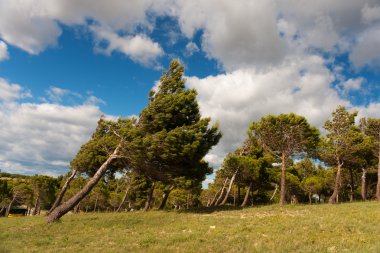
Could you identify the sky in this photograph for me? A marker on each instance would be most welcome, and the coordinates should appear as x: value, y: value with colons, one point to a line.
x: 64, y: 63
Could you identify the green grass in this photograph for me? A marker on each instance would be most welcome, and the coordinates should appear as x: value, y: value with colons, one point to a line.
x: 351, y: 227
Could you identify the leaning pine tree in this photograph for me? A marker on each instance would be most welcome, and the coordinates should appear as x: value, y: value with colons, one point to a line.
x: 175, y: 138
x: 169, y: 140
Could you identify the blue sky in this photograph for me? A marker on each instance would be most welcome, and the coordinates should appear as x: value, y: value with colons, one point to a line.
x: 65, y: 63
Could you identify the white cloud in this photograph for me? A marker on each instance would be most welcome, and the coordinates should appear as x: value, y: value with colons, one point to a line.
x: 42, y: 137
x: 366, y: 51
x: 370, y: 13
x: 9, y: 91
x: 352, y: 84
x: 4, y: 55
x: 236, y: 33
x: 235, y: 99
x: 191, y: 48
x: 139, y: 47
x: 26, y: 24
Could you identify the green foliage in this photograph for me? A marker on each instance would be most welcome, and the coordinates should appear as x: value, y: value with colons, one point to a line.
x: 287, y: 134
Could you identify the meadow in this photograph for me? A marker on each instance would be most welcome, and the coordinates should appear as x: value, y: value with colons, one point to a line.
x: 350, y: 227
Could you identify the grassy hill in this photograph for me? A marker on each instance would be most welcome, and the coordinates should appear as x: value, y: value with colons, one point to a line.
x: 353, y: 227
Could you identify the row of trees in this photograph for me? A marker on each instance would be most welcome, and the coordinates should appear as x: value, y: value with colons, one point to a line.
x: 160, y: 155
x: 285, y: 150
x: 35, y: 192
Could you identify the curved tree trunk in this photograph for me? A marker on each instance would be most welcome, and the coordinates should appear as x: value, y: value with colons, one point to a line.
x: 274, y: 193
x: 36, y: 204
x: 378, y: 181
x: 59, y: 198
x: 334, y: 197
x: 222, y: 192
x: 123, y: 200
x: 229, y: 189
x: 246, y: 197
x: 364, y: 185
x: 10, y: 206
x: 216, y: 194
x: 166, y: 196
x: 64, y: 208
x: 283, y: 175
x: 148, y: 202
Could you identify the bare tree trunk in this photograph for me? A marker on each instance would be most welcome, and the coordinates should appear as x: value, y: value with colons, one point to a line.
x: 352, y: 185
x: 2, y: 210
x: 64, y: 208
x: 166, y: 196
x: 216, y: 194
x: 246, y: 197
x: 59, y: 198
x: 148, y: 202
x: 229, y: 189
x: 35, y: 209
x: 334, y: 197
x: 187, y: 201
x: 378, y: 181
x: 364, y: 185
x: 222, y: 192
x: 283, y: 175
x: 10, y: 206
x: 310, y: 198
x: 238, y: 195
x: 274, y: 193
x: 96, y: 203
x: 124, y: 198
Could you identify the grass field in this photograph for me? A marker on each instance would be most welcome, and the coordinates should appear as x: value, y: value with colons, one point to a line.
x: 353, y: 227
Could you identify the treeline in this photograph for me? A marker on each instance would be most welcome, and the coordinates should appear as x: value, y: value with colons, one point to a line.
x: 127, y: 193
x: 34, y: 192
x: 160, y: 156
x: 284, y: 159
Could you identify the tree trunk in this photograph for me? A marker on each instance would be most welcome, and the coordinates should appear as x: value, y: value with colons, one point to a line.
x: 123, y: 200
x: 352, y: 185
x: 166, y: 196
x: 283, y: 175
x: 222, y: 192
x: 274, y: 193
x: 247, y: 195
x: 2, y: 210
x: 216, y: 194
x: 238, y: 195
x: 364, y: 185
x: 378, y: 181
x: 187, y: 201
x: 96, y: 203
x: 229, y: 189
x: 10, y: 206
x: 334, y: 197
x: 310, y: 198
x: 64, y: 208
x: 59, y: 198
x: 35, y: 209
x: 148, y: 202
